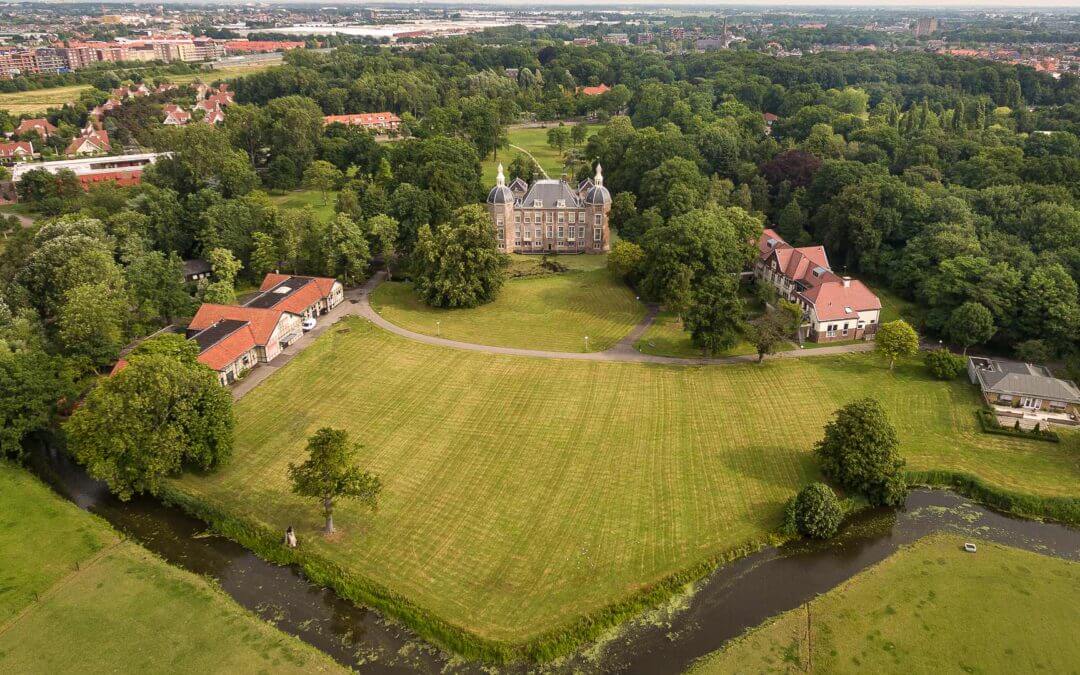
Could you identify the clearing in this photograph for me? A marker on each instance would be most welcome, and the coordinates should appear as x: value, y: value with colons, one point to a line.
x: 76, y: 597
x: 533, y: 139
x: 553, y: 312
x: 301, y: 199
x: 523, y: 493
x: 928, y: 608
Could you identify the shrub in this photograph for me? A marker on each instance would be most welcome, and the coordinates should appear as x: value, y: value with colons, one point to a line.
x: 817, y: 512
x: 945, y: 365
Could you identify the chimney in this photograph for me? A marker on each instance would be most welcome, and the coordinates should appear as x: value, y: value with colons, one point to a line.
x: 847, y: 282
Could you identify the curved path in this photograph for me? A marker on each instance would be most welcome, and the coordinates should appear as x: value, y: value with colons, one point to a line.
x: 530, y: 155
x: 357, y: 303
x: 622, y: 351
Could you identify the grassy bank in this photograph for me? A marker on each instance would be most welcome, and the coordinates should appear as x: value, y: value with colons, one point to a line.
x: 928, y: 608
x: 524, y: 496
x: 76, y: 597
x: 554, y: 312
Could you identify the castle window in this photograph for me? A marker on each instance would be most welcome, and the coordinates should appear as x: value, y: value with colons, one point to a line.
x: 562, y: 217
x: 549, y: 232
x: 527, y: 232
x: 598, y: 219
x: 547, y: 216
x: 517, y: 217
x: 538, y: 203
x: 573, y: 216
x: 581, y: 232
x: 528, y: 219
x: 560, y: 233
x: 598, y: 234
x: 499, y: 222
x: 539, y: 235
x: 581, y: 216
x: 561, y: 204
x: 517, y: 232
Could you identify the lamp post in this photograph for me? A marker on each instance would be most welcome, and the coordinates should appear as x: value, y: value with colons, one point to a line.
x: 586, y: 343
x: 438, y: 328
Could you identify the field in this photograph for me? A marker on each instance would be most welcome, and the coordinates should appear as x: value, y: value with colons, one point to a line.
x: 299, y: 199
x: 928, y: 608
x: 40, y: 100
x: 75, y: 597
x: 554, y: 312
x: 535, y: 141
x: 521, y: 494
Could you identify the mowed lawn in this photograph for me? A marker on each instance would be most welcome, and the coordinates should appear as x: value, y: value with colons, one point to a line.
x: 533, y: 140
x: 40, y: 100
x: 929, y: 608
x: 302, y: 199
x: 75, y: 597
x: 554, y: 312
x: 521, y: 493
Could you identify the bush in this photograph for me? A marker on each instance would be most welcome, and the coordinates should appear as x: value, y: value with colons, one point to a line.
x: 945, y: 365
x: 816, y: 511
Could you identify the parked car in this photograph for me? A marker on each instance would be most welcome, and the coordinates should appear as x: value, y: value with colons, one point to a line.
x: 308, y: 324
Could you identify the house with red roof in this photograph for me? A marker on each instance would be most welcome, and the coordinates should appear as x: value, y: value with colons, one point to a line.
x: 595, y: 91
x: 835, y: 307
x: 380, y: 121
x: 41, y: 126
x: 309, y: 297
x: 91, y: 142
x: 17, y: 151
x: 175, y: 115
x: 272, y: 330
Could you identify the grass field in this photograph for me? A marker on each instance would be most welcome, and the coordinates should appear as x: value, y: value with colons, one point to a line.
x: 554, y: 312
x: 929, y: 608
x: 535, y: 141
x: 299, y: 199
x: 39, y: 100
x: 521, y: 494
x: 75, y: 597
x: 666, y: 337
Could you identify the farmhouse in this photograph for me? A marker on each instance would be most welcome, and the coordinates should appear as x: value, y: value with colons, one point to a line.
x: 551, y: 216
x: 1015, y: 388
x: 307, y: 297
x: 836, y: 307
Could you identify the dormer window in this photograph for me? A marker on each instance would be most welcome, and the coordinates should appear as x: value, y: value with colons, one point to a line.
x: 560, y: 204
x: 818, y: 271
x: 538, y: 203
x: 771, y: 243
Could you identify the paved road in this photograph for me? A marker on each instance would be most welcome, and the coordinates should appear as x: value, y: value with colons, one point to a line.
x: 357, y: 304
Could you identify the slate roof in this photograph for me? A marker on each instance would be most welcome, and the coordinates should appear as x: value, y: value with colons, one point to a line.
x: 549, y: 192
x: 223, y: 342
x: 1023, y: 379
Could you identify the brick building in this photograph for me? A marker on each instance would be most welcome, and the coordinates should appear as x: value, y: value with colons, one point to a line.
x: 551, y: 216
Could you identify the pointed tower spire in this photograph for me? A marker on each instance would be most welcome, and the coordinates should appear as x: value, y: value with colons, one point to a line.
x: 500, y: 180
x: 598, y: 180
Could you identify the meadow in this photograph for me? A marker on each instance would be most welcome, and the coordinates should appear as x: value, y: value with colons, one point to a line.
x: 550, y: 312
x: 302, y: 199
x: 534, y: 140
x: 930, y: 607
x: 523, y: 494
x: 76, y: 597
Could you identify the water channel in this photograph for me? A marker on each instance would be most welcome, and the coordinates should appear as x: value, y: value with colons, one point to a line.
x: 732, y: 599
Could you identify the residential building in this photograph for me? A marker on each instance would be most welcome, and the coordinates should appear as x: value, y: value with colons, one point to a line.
x: 382, y: 121
x: 1025, y: 388
x: 617, y: 39
x: 229, y: 347
x: 196, y: 270
x: 39, y: 125
x: 175, y: 115
x: 16, y: 151
x: 926, y: 25
x: 595, y: 91
x: 835, y: 307
x: 91, y: 142
x: 308, y: 297
x: 551, y: 216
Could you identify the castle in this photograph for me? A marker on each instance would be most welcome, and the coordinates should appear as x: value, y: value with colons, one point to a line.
x: 550, y: 216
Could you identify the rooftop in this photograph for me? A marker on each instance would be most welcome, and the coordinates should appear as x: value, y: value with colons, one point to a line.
x: 1023, y: 379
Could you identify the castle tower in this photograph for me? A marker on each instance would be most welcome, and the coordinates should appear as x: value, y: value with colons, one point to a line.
x: 597, y: 205
x: 500, y: 203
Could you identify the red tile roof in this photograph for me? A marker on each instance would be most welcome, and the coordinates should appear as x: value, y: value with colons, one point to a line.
x: 364, y: 119
x: 262, y: 321
x: 16, y: 149
x: 595, y: 91
x: 834, y: 300
x: 38, y: 124
x: 229, y: 349
x: 308, y: 291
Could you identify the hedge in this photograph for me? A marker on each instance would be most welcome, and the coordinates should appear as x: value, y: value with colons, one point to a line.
x: 989, y: 423
x: 1060, y: 509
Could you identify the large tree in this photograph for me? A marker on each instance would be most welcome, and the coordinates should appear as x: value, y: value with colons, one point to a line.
x: 93, y: 323
x: 458, y: 264
x: 33, y: 386
x: 330, y: 473
x: 970, y: 324
x: 345, y: 249
x: 163, y: 412
x: 896, y: 340
x: 714, y: 317
x: 860, y: 452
